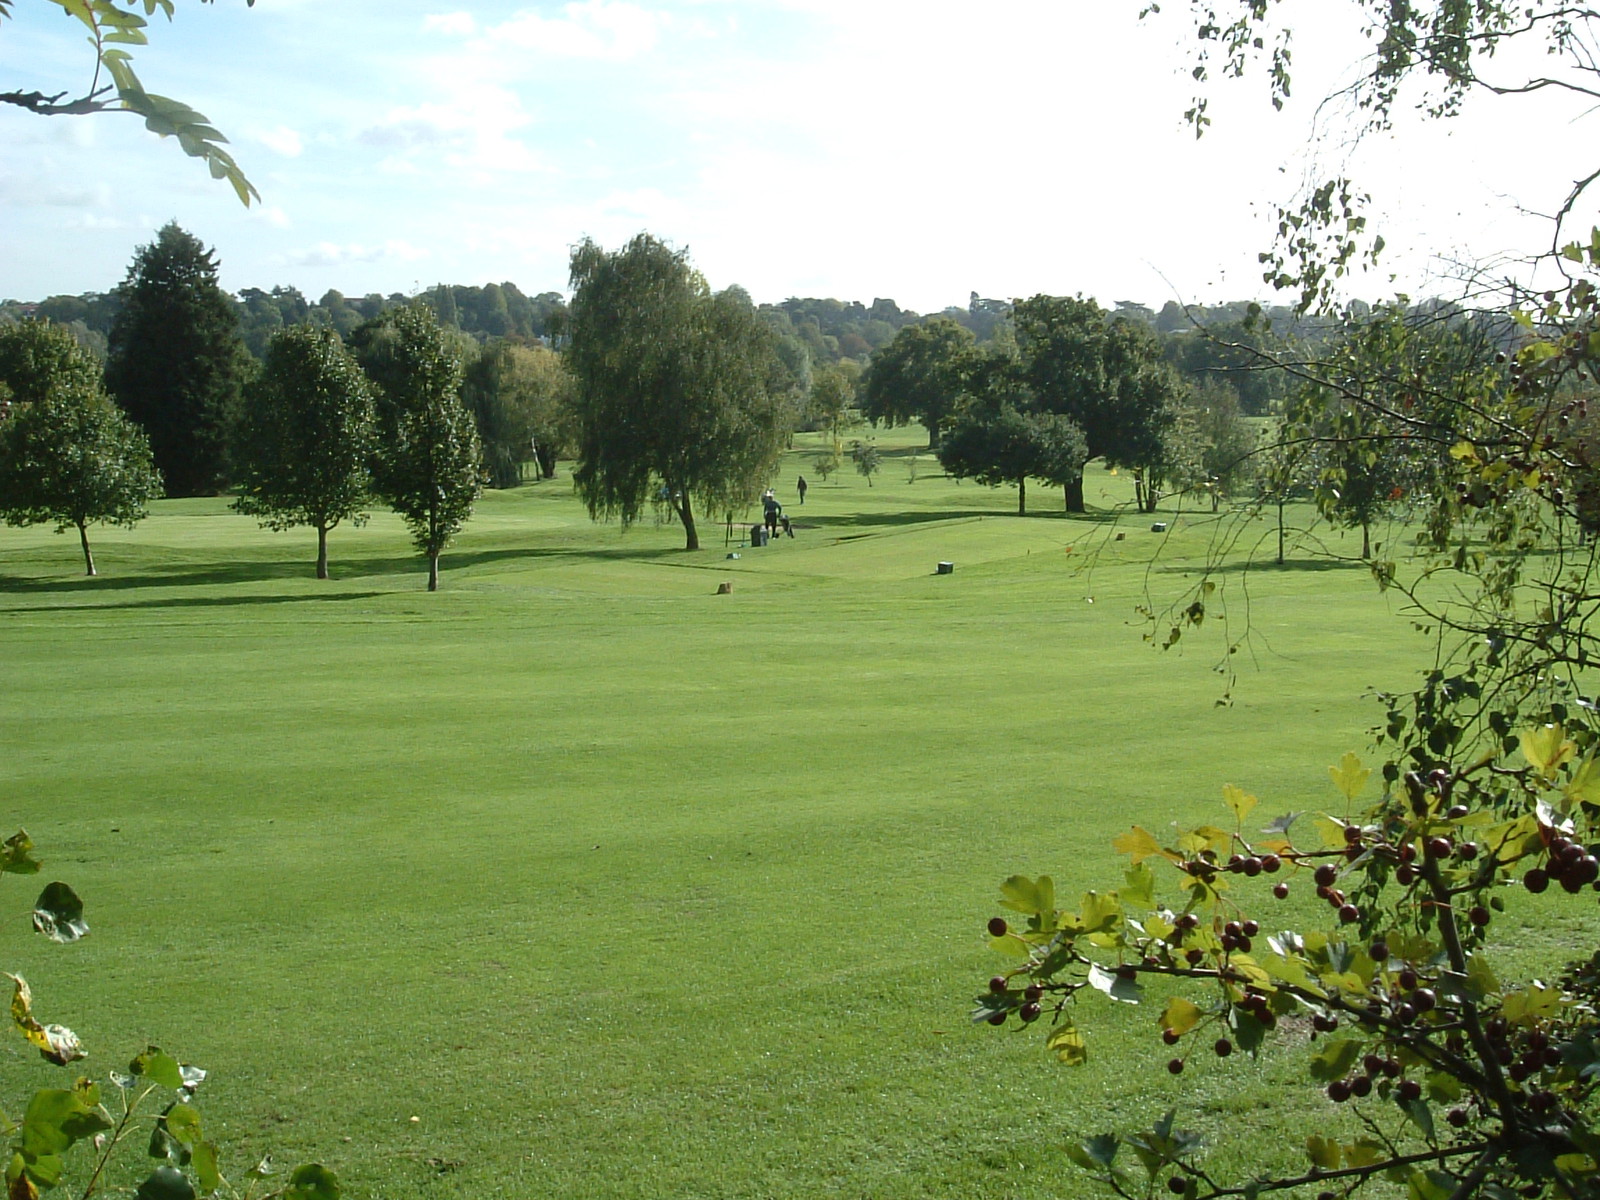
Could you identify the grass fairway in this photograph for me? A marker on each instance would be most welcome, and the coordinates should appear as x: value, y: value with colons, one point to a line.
x: 576, y: 878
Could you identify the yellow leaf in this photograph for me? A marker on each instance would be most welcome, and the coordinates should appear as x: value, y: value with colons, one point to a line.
x: 1238, y: 801
x: 1349, y: 776
x: 1463, y: 452
x: 1138, y: 844
x: 1068, y: 1045
x: 1585, y: 783
x: 1546, y: 748
x: 1180, y: 1016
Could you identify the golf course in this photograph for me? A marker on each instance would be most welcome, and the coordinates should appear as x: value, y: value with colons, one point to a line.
x: 579, y: 878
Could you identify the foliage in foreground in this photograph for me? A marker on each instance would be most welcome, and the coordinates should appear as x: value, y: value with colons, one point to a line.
x: 153, y: 1099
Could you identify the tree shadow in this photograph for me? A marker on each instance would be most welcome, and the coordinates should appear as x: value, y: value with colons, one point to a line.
x: 194, y: 602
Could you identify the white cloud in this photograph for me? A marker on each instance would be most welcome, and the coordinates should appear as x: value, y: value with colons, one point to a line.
x: 474, y: 131
x: 272, y: 215
x: 613, y: 30
x: 456, y: 24
x: 282, y: 139
x: 329, y: 254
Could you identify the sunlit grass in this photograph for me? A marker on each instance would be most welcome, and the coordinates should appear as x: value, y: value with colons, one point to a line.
x: 624, y: 888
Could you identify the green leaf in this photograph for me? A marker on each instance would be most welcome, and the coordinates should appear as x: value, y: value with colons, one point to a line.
x: 1443, y: 1088
x: 1334, y: 1059
x: 1102, y: 911
x: 166, y: 1183
x: 1024, y: 895
x: 158, y: 1068
x: 58, y: 914
x: 1420, y: 1115
x: 206, y: 1168
x: 183, y: 1123
x: 1099, y: 1152
x: 1363, y: 1152
x: 1324, y: 1152
x: 312, y: 1182
x: 1140, y: 887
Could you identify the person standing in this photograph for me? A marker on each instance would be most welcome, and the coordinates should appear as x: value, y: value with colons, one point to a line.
x: 801, y: 488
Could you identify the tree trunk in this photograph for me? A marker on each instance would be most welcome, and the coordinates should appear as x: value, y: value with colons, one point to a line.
x: 1022, y: 497
x: 322, y: 551
x: 1366, y: 542
x: 83, y: 536
x: 1280, y: 531
x: 1074, y: 494
x: 691, y: 535
x: 433, y: 571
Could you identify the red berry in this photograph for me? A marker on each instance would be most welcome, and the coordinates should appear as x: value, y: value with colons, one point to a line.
x: 997, y: 1018
x: 1352, y: 833
x: 1338, y: 1091
x: 1194, y: 957
x: 1270, y: 863
x: 1361, y: 1085
x: 1378, y: 951
x: 1325, y: 875
x: 1405, y: 875
x: 998, y: 927
x: 1281, y: 891
x: 1251, y: 928
x: 1032, y: 992
x: 1536, y: 880
x: 1349, y: 913
x: 1170, y: 1036
x: 1175, y: 1066
x: 1223, y: 1047
x: 1458, y: 1117
x: 1253, y: 866
x: 997, y: 984
x: 1029, y: 1012
x: 1479, y: 916
x: 1407, y: 979
x: 1424, y: 999
x: 1409, y: 1089
x: 1177, y: 1185
x: 1456, y: 812
x: 1439, y: 847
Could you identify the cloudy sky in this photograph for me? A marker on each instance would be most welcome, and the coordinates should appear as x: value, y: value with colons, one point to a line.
x: 914, y: 149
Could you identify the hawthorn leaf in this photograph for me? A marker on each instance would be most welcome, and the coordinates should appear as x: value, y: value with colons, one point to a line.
x: 1180, y: 1015
x: 1138, y: 844
x: 1546, y: 748
x: 1334, y: 1059
x: 158, y: 1068
x: 1349, y: 776
x: 1324, y: 1152
x: 1068, y: 1045
x: 1239, y: 802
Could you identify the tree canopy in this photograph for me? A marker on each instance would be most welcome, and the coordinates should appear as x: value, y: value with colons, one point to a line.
x: 919, y: 376
x: 68, y: 455
x: 306, y: 439
x: 679, y: 395
x: 1107, y: 375
x: 429, y: 465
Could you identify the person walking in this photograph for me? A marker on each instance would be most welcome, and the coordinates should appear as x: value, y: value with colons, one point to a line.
x: 772, y: 510
x: 801, y: 488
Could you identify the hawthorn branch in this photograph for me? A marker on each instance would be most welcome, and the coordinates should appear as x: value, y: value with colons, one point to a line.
x: 96, y: 101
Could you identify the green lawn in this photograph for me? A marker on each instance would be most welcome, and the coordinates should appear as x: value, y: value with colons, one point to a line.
x: 579, y: 878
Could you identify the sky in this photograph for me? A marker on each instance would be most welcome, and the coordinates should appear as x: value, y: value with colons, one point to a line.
x: 918, y: 150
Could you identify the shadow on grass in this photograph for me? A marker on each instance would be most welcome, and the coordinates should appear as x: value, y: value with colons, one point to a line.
x: 194, y: 602
x: 342, y: 568
x: 1270, y: 564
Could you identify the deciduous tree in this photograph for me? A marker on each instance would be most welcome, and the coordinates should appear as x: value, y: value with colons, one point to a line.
x: 1106, y: 375
x: 919, y: 376
x: 68, y: 455
x: 1003, y: 444
x: 307, y: 437
x: 429, y: 463
x: 679, y: 396
x: 176, y: 362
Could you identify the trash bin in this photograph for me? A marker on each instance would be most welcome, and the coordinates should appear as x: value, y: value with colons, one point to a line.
x: 946, y: 568
x: 758, y: 535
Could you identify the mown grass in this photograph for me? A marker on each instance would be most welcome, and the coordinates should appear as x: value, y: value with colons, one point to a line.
x: 578, y: 878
